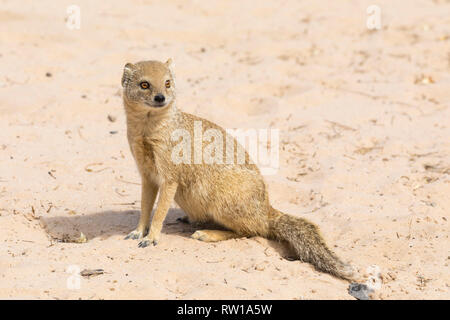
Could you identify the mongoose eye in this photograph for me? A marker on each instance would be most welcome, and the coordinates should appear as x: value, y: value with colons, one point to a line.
x: 144, y: 85
x: 167, y: 83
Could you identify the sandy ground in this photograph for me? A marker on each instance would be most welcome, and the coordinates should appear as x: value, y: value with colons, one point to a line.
x: 364, y: 123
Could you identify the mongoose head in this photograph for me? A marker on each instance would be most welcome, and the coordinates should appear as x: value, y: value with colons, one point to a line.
x: 148, y: 84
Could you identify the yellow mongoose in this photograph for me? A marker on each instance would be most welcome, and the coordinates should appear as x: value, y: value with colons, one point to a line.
x: 233, y: 196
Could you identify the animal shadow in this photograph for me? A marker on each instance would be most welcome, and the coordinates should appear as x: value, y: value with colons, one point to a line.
x: 108, y: 223
x: 105, y: 224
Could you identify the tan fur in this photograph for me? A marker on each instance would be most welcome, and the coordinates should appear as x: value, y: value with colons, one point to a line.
x: 233, y: 196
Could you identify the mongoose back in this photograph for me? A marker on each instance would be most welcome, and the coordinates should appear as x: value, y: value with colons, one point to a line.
x: 232, y: 196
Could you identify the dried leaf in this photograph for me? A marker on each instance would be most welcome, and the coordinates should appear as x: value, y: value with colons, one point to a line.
x: 91, y: 272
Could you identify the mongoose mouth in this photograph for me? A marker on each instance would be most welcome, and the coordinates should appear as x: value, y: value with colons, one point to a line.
x: 156, y: 105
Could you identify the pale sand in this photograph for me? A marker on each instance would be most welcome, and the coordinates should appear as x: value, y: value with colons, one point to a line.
x: 364, y: 130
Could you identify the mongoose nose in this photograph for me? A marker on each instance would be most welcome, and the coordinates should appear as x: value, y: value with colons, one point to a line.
x: 160, y: 98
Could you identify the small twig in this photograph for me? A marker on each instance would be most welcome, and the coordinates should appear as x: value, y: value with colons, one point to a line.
x: 81, y: 136
x: 215, y: 261
x: 342, y: 126
x: 418, y: 155
x: 120, y: 194
x: 129, y: 182
x: 125, y: 204
x: 409, y: 230
x: 86, y: 168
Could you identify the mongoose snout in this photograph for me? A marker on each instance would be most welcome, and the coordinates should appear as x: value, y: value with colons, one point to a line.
x: 159, y: 98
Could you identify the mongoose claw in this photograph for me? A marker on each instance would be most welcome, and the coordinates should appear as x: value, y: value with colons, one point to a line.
x: 134, y: 235
x: 146, y: 242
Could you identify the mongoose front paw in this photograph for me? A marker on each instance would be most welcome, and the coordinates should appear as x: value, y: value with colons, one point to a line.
x: 134, y: 235
x: 147, y: 241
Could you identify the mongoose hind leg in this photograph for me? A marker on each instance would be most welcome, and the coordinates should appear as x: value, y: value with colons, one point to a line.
x: 214, y: 235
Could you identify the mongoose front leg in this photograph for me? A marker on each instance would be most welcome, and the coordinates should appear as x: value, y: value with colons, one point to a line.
x: 149, y: 192
x: 214, y: 235
x: 167, y: 193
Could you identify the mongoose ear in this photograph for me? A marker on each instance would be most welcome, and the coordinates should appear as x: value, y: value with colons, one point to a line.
x: 127, y: 72
x: 169, y: 64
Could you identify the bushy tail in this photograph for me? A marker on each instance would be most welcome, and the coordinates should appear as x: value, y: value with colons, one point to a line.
x: 307, y: 242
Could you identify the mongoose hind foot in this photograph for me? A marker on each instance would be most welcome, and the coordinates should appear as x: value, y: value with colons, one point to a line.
x: 214, y: 235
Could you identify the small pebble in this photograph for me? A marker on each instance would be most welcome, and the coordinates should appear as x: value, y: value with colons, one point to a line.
x: 360, y: 291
